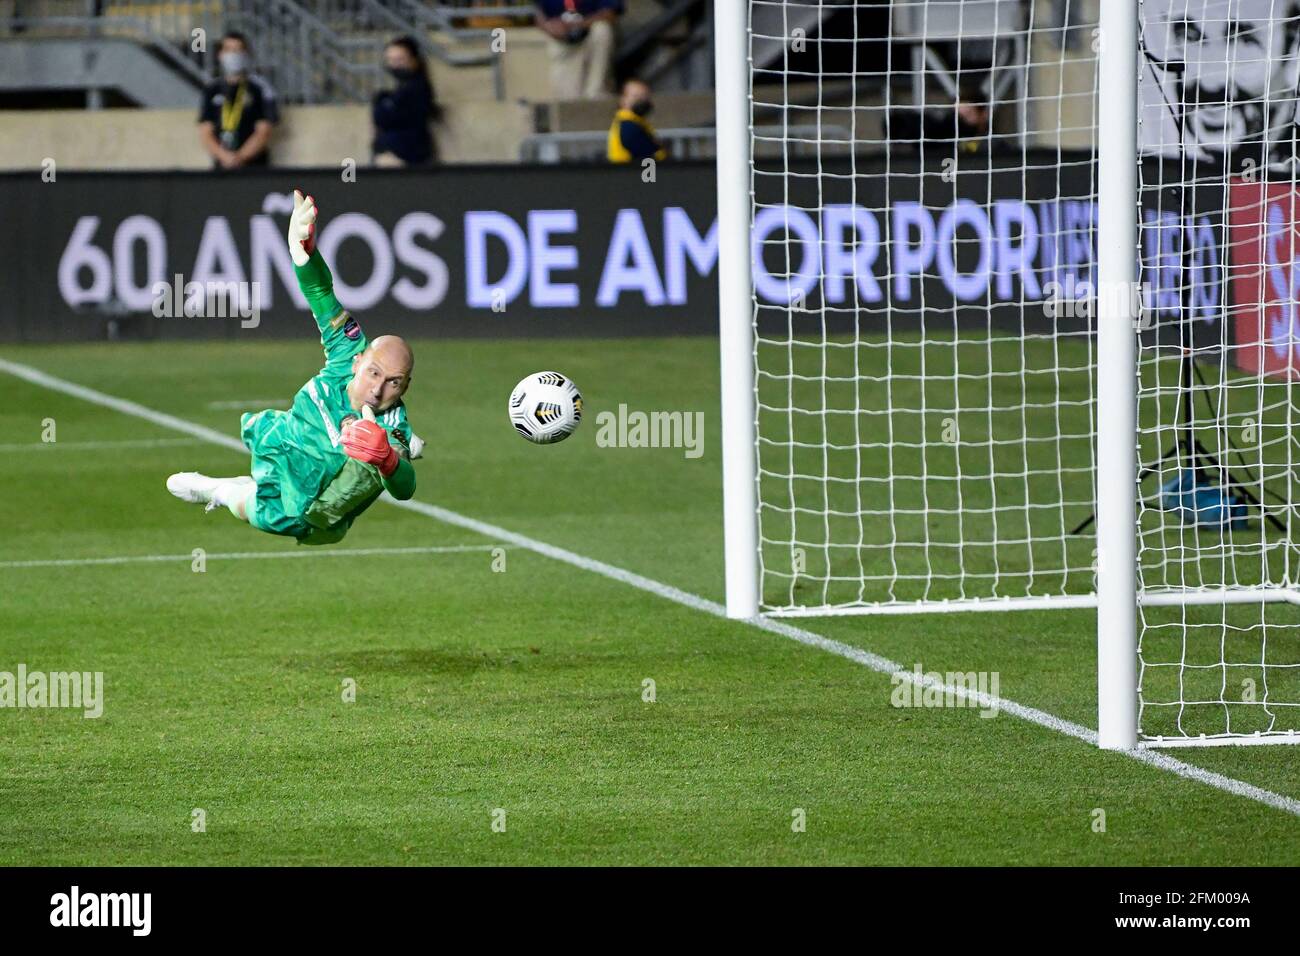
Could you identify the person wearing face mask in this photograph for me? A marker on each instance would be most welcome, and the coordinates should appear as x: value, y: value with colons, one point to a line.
x: 238, y: 110
x: 631, y: 138
x: 401, y: 116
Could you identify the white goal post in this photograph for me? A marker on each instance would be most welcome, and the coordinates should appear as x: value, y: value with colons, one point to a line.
x: 1010, y: 320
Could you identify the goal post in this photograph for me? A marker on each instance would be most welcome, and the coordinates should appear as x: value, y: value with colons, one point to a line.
x: 1117, y: 258
x: 1010, y: 320
x: 735, y: 308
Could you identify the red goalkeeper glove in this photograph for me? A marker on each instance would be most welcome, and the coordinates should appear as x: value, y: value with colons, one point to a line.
x: 366, y: 441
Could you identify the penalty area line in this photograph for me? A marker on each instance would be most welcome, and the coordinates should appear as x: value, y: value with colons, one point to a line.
x: 243, y: 556
x: 247, y: 404
x: 90, y: 445
x: 781, y: 628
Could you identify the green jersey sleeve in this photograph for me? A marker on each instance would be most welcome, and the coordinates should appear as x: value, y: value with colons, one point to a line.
x: 401, y: 483
x: 340, y: 333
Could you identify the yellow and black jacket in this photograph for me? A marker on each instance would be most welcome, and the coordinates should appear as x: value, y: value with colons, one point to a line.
x: 632, y: 139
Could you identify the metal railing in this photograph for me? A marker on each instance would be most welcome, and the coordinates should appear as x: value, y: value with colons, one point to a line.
x: 310, y: 51
x: 444, y: 17
x: 380, y: 20
x: 167, y: 29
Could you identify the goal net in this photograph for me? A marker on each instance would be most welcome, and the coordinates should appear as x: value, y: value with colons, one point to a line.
x: 933, y: 404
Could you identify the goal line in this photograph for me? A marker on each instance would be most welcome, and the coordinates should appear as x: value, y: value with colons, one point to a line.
x: 1213, y: 596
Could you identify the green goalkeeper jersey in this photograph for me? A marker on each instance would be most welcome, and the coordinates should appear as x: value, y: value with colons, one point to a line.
x: 300, y: 451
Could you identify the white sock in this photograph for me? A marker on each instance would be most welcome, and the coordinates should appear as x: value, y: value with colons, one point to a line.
x: 233, y: 493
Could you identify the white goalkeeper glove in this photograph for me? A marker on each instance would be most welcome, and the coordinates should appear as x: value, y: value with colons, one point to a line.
x: 302, y: 228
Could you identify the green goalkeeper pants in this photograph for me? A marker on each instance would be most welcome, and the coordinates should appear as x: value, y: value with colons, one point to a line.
x: 267, y: 511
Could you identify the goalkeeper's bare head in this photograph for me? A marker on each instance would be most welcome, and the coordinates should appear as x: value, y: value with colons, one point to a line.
x: 381, y: 374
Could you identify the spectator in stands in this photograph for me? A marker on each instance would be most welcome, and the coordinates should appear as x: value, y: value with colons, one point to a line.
x: 631, y: 138
x: 238, y: 111
x: 402, y: 115
x: 972, y: 122
x: 965, y: 124
x: 581, y: 41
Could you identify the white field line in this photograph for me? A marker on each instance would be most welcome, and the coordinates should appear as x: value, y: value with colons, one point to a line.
x: 88, y: 445
x: 875, y: 662
x: 241, y: 556
x: 37, y: 377
x: 248, y: 404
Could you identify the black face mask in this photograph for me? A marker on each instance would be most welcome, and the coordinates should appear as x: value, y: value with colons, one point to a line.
x: 400, y: 73
x: 642, y: 108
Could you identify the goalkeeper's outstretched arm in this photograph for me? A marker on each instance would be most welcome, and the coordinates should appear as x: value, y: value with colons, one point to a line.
x: 340, y: 334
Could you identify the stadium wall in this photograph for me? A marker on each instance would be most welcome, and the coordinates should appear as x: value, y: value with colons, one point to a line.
x: 167, y: 139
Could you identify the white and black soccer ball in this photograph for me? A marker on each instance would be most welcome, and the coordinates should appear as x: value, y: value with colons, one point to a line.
x: 545, y: 407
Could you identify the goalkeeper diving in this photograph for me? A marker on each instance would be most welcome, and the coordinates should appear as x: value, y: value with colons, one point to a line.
x: 346, y: 440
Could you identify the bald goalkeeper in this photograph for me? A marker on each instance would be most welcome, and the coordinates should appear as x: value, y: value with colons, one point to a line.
x: 346, y: 439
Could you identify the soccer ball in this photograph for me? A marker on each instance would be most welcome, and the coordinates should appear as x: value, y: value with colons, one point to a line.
x: 545, y: 407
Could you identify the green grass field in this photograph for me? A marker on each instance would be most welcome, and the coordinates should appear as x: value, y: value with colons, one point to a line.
x: 522, y: 689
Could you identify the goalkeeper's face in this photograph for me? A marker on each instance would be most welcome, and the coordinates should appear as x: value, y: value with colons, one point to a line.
x: 381, y: 374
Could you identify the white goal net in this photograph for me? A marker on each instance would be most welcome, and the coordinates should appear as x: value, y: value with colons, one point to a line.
x: 1217, y: 410
x: 923, y: 212
x: 924, y: 397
